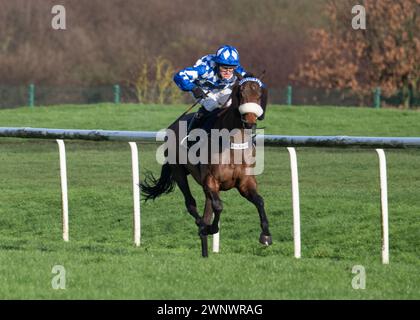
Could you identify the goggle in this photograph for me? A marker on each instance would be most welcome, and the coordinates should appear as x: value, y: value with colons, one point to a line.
x: 227, y: 68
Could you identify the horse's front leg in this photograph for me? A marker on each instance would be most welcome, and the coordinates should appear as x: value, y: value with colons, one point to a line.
x: 209, y: 227
x: 213, y: 204
x: 248, y: 189
x: 204, y: 227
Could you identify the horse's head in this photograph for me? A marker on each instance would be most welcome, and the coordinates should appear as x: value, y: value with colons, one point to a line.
x: 250, y: 95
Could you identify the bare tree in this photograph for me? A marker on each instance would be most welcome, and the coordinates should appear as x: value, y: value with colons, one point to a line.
x: 106, y: 41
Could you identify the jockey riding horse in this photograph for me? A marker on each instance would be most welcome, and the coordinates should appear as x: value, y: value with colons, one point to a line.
x: 244, y: 102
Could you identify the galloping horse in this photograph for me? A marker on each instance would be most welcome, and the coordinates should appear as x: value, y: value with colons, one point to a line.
x: 249, y: 100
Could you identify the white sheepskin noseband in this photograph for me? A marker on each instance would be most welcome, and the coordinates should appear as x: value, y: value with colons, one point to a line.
x: 251, y: 107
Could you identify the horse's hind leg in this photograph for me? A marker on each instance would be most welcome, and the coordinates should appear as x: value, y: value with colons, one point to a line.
x: 211, y: 189
x: 208, y: 213
x: 248, y: 189
x: 190, y: 203
x: 182, y: 182
x: 213, y: 204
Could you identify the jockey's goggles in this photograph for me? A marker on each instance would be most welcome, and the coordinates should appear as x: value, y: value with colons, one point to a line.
x: 226, y: 67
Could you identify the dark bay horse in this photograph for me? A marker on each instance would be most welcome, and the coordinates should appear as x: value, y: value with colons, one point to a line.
x: 249, y: 100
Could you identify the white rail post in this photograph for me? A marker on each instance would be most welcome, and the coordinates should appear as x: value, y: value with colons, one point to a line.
x: 384, y: 205
x: 295, y: 198
x: 216, y: 241
x: 136, y: 193
x: 64, y: 197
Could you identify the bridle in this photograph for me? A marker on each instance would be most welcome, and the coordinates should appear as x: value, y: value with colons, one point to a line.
x: 250, y: 106
x: 240, y: 83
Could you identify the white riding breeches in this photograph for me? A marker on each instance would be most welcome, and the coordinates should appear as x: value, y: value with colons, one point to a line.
x: 216, y: 99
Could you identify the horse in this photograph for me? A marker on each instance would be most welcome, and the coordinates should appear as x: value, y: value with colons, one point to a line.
x: 248, y: 104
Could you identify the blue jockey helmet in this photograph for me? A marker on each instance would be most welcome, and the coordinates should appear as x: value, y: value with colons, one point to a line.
x: 227, y: 55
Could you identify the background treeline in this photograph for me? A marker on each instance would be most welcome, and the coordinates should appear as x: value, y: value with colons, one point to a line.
x: 108, y: 41
x: 139, y: 44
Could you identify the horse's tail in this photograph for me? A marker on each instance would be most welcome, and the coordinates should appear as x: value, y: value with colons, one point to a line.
x: 153, y: 188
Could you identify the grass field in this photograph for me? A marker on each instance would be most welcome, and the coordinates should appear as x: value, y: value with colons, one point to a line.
x: 340, y: 214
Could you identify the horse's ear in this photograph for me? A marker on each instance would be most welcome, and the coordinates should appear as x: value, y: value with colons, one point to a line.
x: 264, y: 99
x: 249, y: 75
x: 262, y: 75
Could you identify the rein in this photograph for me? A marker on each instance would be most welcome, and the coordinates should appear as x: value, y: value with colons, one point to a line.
x: 224, y: 110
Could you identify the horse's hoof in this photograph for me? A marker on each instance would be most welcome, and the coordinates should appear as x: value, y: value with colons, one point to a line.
x: 213, y: 229
x: 266, y: 240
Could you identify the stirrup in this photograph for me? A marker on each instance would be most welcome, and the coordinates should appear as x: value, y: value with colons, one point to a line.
x: 183, y: 140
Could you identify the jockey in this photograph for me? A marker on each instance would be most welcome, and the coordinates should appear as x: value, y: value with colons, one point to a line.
x: 211, y: 79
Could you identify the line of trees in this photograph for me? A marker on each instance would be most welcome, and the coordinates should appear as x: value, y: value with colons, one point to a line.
x: 111, y: 41
x: 108, y: 41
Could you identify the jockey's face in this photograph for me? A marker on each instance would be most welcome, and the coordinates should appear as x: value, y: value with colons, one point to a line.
x: 226, y: 72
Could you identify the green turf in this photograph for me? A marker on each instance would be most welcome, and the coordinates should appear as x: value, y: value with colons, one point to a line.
x: 339, y: 208
x: 280, y: 119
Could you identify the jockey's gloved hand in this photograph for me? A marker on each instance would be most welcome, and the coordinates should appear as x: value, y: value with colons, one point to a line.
x: 198, y: 93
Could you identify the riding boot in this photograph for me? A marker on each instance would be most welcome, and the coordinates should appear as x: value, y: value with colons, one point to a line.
x: 197, y: 120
